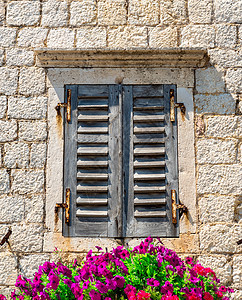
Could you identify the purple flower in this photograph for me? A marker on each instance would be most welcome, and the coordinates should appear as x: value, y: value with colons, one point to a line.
x: 68, y: 282
x: 130, y: 289
x: 102, y: 288
x: 153, y: 282
x: 167, y: 287
x: 95, y: 295
x: 76, y: 290
x: 54, y: 281
x: 111, y: 283
x: 64, y: 270
x: 120, y: 281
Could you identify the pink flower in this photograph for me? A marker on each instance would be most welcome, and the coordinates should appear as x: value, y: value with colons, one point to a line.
x: 95, y: 295
x: 142, y: 295
x: 208, y: 296
x: 2, y: 297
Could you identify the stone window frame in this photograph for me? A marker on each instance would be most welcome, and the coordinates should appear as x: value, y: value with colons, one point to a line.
x: 57, y: 78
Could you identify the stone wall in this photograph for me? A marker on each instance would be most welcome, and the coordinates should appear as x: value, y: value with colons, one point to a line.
x: 25, y: 123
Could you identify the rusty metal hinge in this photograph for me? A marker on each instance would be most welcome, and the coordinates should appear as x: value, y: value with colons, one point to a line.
x: 174, y: 105
x: 65, y: 206
x: 6, y: 237
x: 66, y: 105
x: 174, y: 206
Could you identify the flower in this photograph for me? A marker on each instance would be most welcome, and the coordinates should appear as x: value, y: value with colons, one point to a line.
x: 2, y: 297
x: 207, y: 296
x: 142, y: 295
x: 153, y: 282
x: 95, y: 295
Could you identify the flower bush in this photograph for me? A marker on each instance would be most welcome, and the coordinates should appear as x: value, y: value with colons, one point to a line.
x: 148, y: 271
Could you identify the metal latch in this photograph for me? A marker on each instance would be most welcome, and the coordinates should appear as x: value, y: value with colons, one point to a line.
x: 174, y: 105
x: 66, y: 105
x: 65, y: 206
x: 174, y: 206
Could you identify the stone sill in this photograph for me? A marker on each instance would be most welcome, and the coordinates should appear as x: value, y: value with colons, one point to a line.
x: 111, y: 58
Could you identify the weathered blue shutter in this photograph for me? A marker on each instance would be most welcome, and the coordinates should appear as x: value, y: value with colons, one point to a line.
x: 150, y: 161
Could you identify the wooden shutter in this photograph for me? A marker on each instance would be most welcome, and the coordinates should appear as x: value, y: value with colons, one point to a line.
x: 92, y: 160
x: 150, y: 161
x: 120, y: 161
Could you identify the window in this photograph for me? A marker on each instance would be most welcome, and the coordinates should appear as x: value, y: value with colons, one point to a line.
x: 120, y: 161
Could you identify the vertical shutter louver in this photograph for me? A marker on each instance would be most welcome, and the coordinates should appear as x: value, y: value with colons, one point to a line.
x: 120, y: 161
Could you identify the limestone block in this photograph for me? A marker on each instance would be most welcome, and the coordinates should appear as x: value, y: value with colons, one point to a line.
x: 234, y: 80
x: 209, y: 81
x: 226, y: 36
x: 27, y: 107
x: 8, y: 81
x: 237, y: 270
x: 219, y: 264
x: 67, y: 257
x: 198, y: 36
x: 200, y: 11
x: 3, y: 106
x: 2, y: 12
x: 27, y: 181
x: 4, y: 181
x: 83, y: 12
x: 34, y: 209
x: 32, y: 131
x: 91, y: 37
x: 32, y: 37
x: 217, y: 208
x: 7, y: 36
x: 1, y: 57
x: 225, y: 58
x: 8, y: 269
x: 8, y: 131
x: 173, y: 12
x: 19, y: 57
x: 223, y: 179
x: 163, y: 37
x: 222, y: 126
x: 32, y: 81
x: 220, y: 238
x: 61, y: 38
x: 199, y: 126
x: 38, y: 155
x: 16, y: 155
x: 54, y: 13
x: 237, y: 295
x: 21, y: 13
x: 29, y: 264
x: 222, y: 104
x: 112, y: 12
x: 227, y: 11
x: 12, y: 208
x: 143, y: 12
x: 127, y: 37
x: 27, y: 238
x: 240, y: 34
x: 211, y: 151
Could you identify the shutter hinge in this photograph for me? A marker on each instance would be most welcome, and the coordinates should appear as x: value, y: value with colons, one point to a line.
x: 174, y: 206
x: 66, y: 105
x: 174, y: 105
x: 65, y: 205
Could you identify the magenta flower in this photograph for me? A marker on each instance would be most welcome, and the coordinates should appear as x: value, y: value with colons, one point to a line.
x: 102, y: 288
x: 120, y: 281
x: 153, y: 282
x: 95, y: 295
x: 54, y: 281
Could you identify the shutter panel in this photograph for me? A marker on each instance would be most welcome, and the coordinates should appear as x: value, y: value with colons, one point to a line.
x: 92, y: 132
x: 150, y: 161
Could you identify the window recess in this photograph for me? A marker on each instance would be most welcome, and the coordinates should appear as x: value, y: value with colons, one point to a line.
x: 120, y: 161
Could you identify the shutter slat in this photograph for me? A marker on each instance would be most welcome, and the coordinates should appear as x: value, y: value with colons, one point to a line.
x: 92, y: 151
x: 150, y: 151
x: 149, y: 177
x: 149, y: 129
x: 150, y: 214
x: 148, y: 189
x: 88, y: 177
x: 92, y: 130
x: 84, y: 118
x: 92, y: 138
x: 92, y: 189
x: 138, y: 201
x: 149, y: 164
x: 92, y: 164
x: 150, y: 107
x: 91, y: 201
x: 149, y: 118
x: 91, y: 213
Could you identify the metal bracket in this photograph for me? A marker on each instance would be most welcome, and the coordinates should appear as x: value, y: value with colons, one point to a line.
x: 174, y: 206
x: 174, y: 105
x: 65, y: 206
x: 66, y: 105
x: 6, y: 237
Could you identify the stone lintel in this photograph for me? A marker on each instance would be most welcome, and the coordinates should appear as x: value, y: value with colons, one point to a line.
x: 170, y: 57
